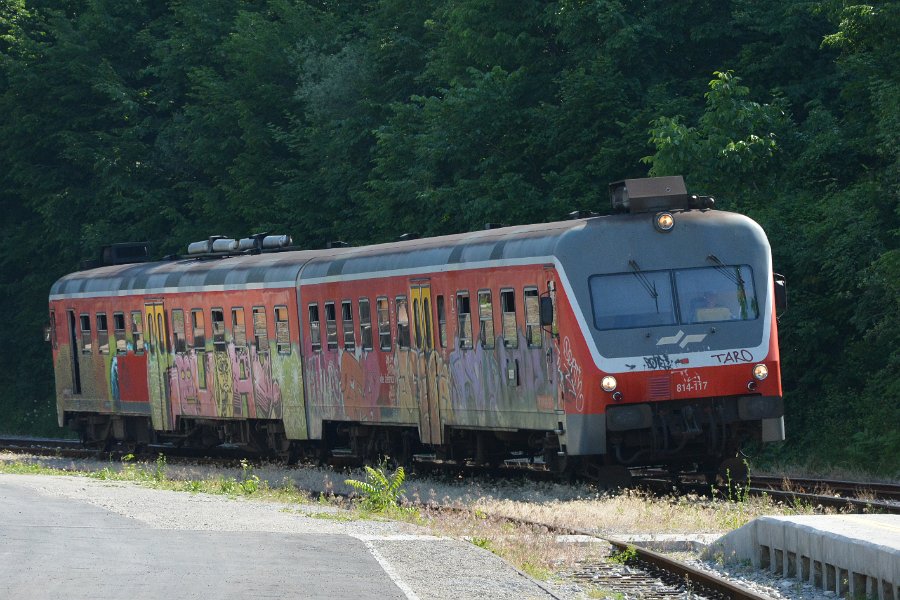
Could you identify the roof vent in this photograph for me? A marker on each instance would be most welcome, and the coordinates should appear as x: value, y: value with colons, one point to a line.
x: 263, y: 241
x: 336, y: 244
x: 215, y: 243
x: 649, y: 195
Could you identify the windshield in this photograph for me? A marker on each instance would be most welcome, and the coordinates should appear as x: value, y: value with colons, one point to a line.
x: 723, y: 293
x: 636, y: 299
x: 652, y: 298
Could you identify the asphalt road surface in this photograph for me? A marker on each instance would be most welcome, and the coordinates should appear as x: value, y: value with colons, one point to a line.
x: 55, y: 548
x: 79, y: 538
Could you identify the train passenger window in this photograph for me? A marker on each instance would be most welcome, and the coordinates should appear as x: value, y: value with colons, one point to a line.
x: 347, y: 324
x: 365, y: 324
x: 384, y: 323
x: 629, y: 300
x: 217, y: 318
x: 464, y: 315
x: 330, y: 326
x: 86, y: 345
x: 315, y: 333
x: 238, y: 326
x: 102, y: 334
x: 486, y: 319
x: 442, y: 321
x: 178, y: 330
x: 137, y: 331
x: 533, y: 332
x: 260, y: 329
x: 402, y: 322
x: 119, y: 332
x: 199, y: 325
x: 508, y: 310
x: 282, y: 330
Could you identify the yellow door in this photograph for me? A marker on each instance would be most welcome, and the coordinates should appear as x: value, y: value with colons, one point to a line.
x: 158, y: 363
x: 430, y: 429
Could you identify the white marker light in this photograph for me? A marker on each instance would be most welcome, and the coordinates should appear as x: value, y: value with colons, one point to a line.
x: 760, y: 372
x: 608, y: 383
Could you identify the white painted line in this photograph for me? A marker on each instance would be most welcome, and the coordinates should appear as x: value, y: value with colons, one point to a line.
x: 400, y: 537
x: 388, y: 569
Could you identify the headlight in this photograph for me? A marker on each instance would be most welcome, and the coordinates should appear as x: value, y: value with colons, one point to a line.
x: 760, y: 372
x: 608, y: 383
x: 664, y: 221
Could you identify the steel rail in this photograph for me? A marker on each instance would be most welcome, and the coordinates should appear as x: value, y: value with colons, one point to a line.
x: 829, y: 501
x: 881, y: 491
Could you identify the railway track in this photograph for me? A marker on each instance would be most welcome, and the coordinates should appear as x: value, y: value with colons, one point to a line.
x: 635, y: 571
x: 831, y: 493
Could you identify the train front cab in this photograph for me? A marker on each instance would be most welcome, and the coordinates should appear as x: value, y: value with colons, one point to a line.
x: 678, y: 363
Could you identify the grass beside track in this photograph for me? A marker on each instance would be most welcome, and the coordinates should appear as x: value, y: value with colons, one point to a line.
x: 485, y: 517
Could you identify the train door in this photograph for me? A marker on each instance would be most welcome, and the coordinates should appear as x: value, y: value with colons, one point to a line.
x: 158, y: 363
x: 430, y: 429
x: 73, y: 348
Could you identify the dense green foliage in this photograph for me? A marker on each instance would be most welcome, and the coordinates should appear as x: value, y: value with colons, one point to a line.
x: 358, y: 121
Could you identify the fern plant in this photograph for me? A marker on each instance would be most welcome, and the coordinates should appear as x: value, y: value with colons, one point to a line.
x: 380, y: 491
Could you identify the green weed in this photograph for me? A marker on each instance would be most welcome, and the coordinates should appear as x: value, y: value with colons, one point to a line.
x: 380, y: 491
x: 625, y: 556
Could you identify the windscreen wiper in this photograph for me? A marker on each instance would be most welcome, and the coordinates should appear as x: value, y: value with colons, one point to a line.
x: 648, y: 285
x: 733, y: 274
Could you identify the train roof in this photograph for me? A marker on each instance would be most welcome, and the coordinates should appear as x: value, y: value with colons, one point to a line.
x: 288, y: 268
x: 521, y: 244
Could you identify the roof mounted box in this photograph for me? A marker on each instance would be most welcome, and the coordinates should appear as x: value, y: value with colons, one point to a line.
x: 651, y: 194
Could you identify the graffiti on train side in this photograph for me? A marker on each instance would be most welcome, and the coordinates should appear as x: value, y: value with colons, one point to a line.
x: 229, y: 382
x: 266, y: 388
x: 182, y: 378
x: 572, y: 375
x: 343, y: 381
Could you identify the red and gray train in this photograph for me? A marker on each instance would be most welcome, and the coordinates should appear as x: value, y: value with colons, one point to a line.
x: 645, y: 337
